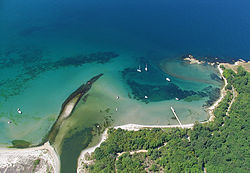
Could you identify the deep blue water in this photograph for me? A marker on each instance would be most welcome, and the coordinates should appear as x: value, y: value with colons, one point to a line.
x: 206, y: 28
x: 40, y: 42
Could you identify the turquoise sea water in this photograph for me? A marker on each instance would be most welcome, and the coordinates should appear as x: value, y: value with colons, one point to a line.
x: 49, y: 48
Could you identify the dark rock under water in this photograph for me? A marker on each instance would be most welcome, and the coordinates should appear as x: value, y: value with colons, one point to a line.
x: 30, y: 61
x: 81, y: 91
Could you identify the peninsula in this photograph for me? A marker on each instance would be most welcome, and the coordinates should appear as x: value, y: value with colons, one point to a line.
x: 152, y: 148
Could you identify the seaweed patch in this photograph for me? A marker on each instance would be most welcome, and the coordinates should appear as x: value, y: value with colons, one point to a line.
x: 32, y: 64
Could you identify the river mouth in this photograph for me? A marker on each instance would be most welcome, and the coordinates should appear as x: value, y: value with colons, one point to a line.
x: 111, y: 101
x: 51, y: 49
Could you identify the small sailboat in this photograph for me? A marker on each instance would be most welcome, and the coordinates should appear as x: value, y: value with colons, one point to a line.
x: 176, y: 98
x: 139, y: 69
x: 146, y: 68
x: 167, y: 79
x: 145, y: 97
x: 19, y: 111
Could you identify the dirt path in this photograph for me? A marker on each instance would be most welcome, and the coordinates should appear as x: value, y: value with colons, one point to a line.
x: 234, y: 96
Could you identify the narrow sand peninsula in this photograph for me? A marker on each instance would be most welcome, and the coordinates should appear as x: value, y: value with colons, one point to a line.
x: 43, y: 158
x: 23, y: 160
x: 135, y: 127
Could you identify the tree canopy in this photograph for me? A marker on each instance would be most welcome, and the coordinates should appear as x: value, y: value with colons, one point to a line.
x: 218, y: 146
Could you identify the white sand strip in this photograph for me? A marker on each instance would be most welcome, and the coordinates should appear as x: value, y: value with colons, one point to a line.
x: 136, y: 127
x: 10, y: 157
x: 222, y: 95
x: 82, y: 159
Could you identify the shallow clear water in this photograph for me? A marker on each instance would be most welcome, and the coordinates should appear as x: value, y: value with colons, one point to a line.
x: 49, y: 48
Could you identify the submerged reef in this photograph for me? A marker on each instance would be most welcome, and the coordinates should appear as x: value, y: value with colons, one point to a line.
x: 214, y: 95
x: 30, y: 62
x: 157, y: 92
x: 99, y: 57
x: 22, y: 57
x: 215, y: 77
x: 147, y: 90
x: 20, y: 144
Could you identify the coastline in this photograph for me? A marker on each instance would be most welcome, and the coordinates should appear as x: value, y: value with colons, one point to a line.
x: 222, y: 95
x: 135, y: 127
x: 13, y: 157
x: 82, y: 157
x: 53, y: 158
x: 68, y: 107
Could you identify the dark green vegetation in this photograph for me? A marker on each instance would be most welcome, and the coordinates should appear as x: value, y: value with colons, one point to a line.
x: 35, y: 163
x: 218, y: 146
x: 20, y: 144
x: 32, y: 62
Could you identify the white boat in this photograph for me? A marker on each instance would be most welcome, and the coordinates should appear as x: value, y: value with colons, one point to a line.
x: 117, y: 97
x: 168, y: 79
x: 19, y: 111
x: 9, y: 122
x: 139, y: 69
x: 176, y: 98
x: 116, y: 109
x: 146, y: 68
x: 146, y: 97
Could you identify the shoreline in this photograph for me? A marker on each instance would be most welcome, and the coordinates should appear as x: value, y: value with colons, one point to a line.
x: 135, y: 127
x: 68, y: 107
x: 82, y: 157
x: 13, y: 157
x: 222, y: 95
x: 53, y: 158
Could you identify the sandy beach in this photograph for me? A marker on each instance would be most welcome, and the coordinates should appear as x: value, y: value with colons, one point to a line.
x: 82, y: 158
x: 13, y: 158
x: 69, y: 107
x: 135, y: 127
x: 23, y: 160
x: 222, y: 95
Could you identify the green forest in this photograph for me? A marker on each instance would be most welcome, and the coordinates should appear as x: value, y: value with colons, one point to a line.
x: 218, y: 146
